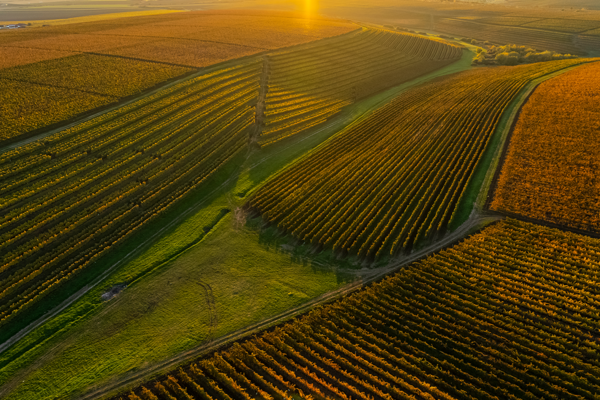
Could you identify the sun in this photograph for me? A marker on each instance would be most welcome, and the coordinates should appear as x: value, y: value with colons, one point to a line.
x: 310, y: 8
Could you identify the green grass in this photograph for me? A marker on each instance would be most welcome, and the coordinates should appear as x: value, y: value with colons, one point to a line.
x: 167, y: 313
x: 251, y: 275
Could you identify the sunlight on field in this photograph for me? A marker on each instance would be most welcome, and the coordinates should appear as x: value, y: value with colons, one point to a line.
x: 311, y: 7
x: 92, y: 18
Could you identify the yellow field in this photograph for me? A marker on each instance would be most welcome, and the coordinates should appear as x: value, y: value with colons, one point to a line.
x: 91, y: 18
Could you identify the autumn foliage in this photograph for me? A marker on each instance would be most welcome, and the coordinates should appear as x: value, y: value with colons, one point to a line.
x: 551, y: 169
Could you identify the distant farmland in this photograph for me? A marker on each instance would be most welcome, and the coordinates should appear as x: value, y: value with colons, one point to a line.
x: 51, y: 74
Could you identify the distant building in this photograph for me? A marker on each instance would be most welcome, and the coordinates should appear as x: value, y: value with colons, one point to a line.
x: 13, y: 26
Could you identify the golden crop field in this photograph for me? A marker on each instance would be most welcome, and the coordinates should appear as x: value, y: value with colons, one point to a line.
x: 564, y: 25
x: 109, y: 76
x: 91, y: 18
x: 28, y: 106
x: 551, y: 169
x: 39, y: 94
x: 113, y: 59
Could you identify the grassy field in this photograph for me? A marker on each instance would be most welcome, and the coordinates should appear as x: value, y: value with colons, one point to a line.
x: 226, y: 283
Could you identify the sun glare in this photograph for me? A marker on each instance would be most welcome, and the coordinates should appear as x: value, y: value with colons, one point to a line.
x: 310, y: 8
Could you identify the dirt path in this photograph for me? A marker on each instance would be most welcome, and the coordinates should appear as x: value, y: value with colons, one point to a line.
x: 260, y: 104
x: 476, y: 221
x: 211, y: 307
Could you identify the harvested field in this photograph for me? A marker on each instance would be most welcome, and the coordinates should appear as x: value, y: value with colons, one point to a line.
x: 187, y: 52
x: 563, y: 25
x: 14, y: 57
x: 508, y: 21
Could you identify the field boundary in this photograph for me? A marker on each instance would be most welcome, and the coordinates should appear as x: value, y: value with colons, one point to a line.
x: 548, y: 224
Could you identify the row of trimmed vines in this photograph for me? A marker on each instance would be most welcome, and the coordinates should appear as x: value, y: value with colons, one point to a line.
x: 68, y: 200
x: 306, y: 87
x: 510, y: 313
x: 396, y: 179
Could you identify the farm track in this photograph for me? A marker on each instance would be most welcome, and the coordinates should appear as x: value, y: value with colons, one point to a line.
x: 373, y: 276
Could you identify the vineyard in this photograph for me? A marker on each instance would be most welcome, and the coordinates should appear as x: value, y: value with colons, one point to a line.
x: 36, y: 95
x: 538, y: 39
x: 395, y: 179
x: 564, y: 25
x: 510, y: 313
x: 248, y: 204
x: 306, y: 87
x: 72, y: 197
x: 52, y: 74
x: 551, y: 169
